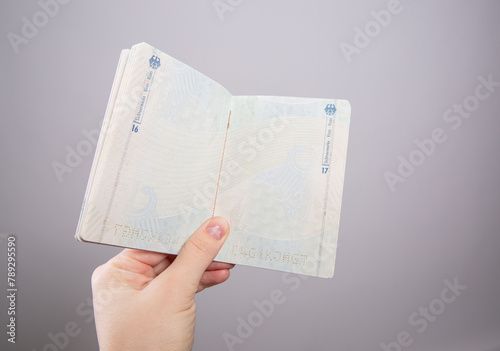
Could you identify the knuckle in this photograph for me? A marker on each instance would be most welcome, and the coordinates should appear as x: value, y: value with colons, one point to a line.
x: 198, y: 246
x: 97, y: 274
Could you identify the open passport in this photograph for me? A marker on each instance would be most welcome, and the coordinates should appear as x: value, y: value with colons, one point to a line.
x: 176, y: 148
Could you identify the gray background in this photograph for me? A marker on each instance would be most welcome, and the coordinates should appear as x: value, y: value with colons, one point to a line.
x: 395, y: 248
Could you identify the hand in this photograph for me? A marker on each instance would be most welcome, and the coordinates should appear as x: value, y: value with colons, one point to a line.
x: 149, y: 302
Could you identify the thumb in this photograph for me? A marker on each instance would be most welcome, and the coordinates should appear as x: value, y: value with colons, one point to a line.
x: 199, y: 251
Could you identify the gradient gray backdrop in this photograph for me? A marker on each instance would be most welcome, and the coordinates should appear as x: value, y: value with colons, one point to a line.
x: 395, y: 248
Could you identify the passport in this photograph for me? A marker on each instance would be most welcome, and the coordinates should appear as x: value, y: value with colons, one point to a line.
x: 176, y: 148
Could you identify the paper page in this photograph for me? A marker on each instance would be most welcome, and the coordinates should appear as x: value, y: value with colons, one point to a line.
x: 157, y: 174
x: 282, y: 179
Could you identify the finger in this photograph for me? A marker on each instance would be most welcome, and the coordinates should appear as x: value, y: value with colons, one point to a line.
x: 147, y: 257
x: 133, y: 267
x: 211, y: 278
x: 211, y: 267
x: 164, y: 264
x: 219, y: 265
x: 196, y: 255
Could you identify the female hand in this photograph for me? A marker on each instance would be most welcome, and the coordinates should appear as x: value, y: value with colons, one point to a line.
x: 150, y: 304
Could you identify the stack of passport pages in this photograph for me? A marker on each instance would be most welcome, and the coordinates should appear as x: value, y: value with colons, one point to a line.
x: 176, y: 148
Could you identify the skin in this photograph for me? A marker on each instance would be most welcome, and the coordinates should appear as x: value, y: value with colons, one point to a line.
x: 146, y: 300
